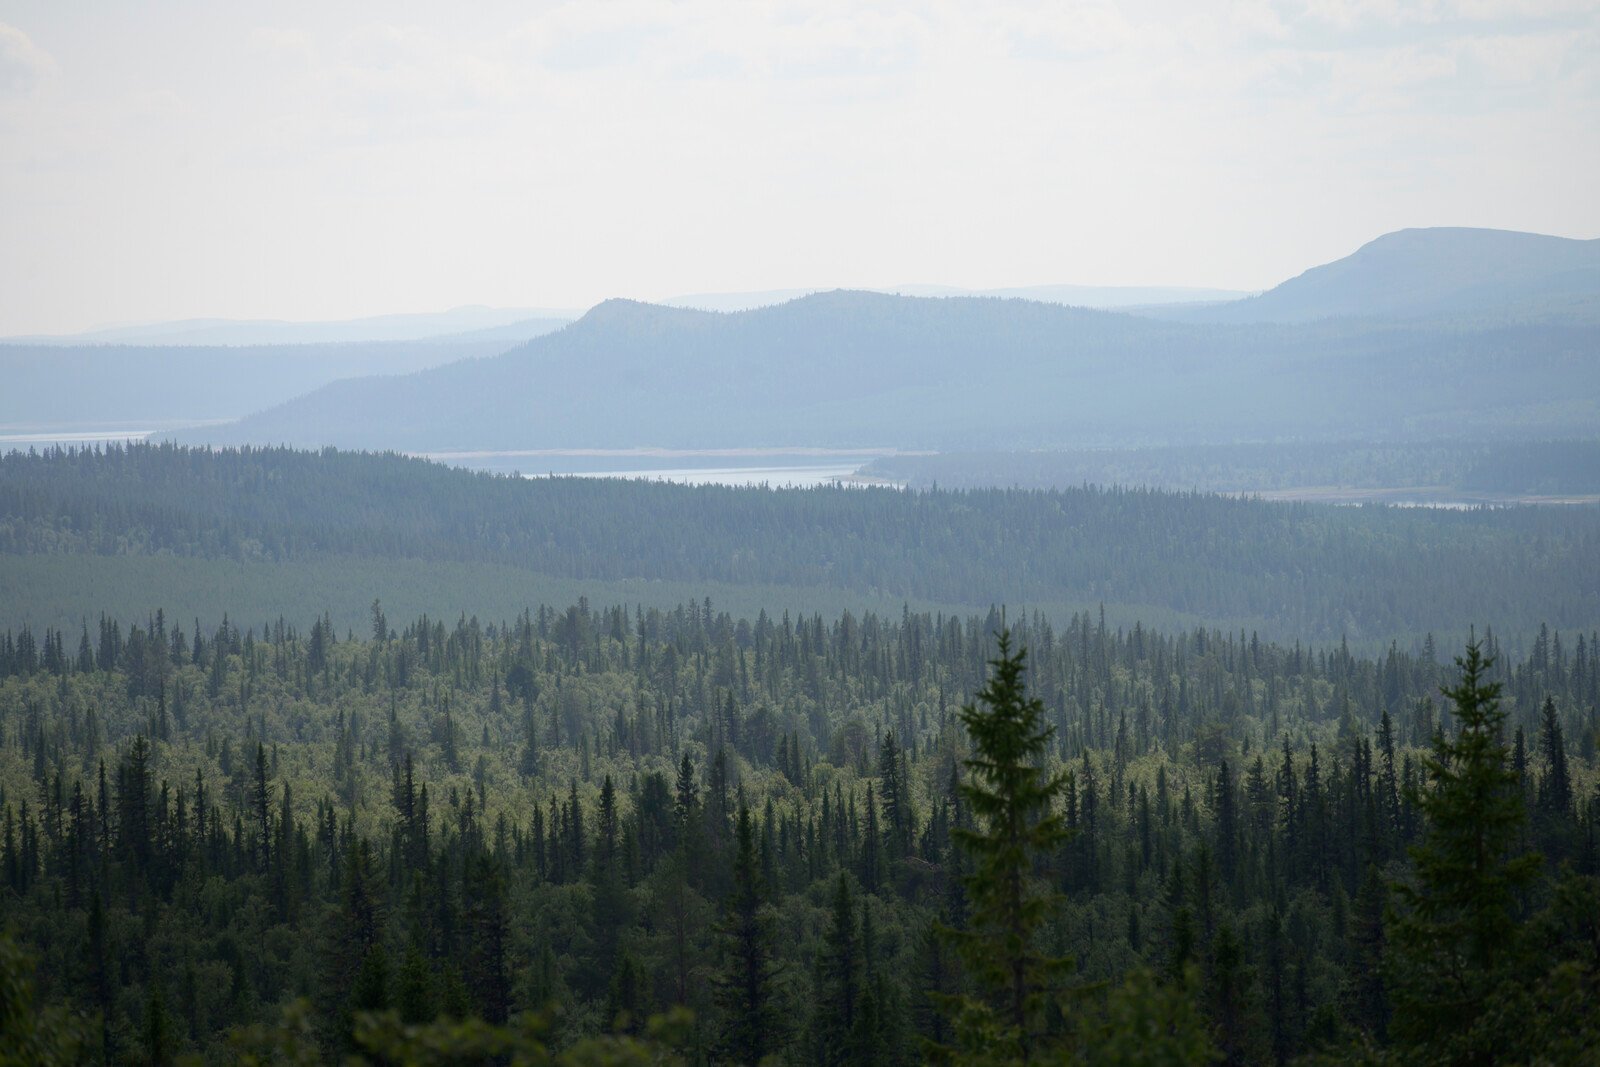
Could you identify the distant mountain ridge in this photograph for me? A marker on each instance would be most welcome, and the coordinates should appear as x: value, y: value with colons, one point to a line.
x: 1102, y: 297
x: 1409, y: 337
x: 853, y: 369
x: 1445, y: 271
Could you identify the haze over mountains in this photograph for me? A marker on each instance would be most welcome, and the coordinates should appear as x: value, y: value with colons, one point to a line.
x: 141, y: 378
x: 515, y: 323
x: 1408, y: 338
x: 1089, y: 296
x: 1417, y: 273
x: 1396, y: 342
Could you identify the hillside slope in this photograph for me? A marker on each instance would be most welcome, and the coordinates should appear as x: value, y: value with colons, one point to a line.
x: 49, y: 385
x: 1448, y: 271
x: 853, y: 369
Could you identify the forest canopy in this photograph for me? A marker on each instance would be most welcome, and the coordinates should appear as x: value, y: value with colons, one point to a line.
x: 281, y: 840
x: 1289, y: 571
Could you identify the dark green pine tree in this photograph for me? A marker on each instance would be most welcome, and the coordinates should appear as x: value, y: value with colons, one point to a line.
x: 1558, y: 830
x: 414, y: 997
x: 897, y: 825
x: 623, y: 1012
x: 488, y: 928
x: 370, y: 992
x: 1388, y: 784
x: 351, y: 980
x: 1454, y: 926
x: 686, y: 800
x: 610, y: 908
x: 871, y: 857
x: 936, y: 975
x: 1227, y: 826
x: 1010, y: 798
x: 838, y: 979
x: 1229, y: 988
x: 1555, y: 788
x: 1366, y: 1004
x: 261, y: 808
x: 529, y: 764
x: 744, y: 989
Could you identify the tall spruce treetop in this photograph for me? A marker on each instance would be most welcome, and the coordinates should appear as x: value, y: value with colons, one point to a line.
x: 1012, y: 799
x: 744, y: 989
x: 1555, y: 789
x: 1456, y: 928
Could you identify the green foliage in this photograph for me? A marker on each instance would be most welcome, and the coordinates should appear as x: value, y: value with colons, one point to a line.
x: 382, y: 1038
x: 32, y: 1035
x: 745, y: 985
x: 1012, y: 797
x: 1372, y: 573
x: 1147, y: 1023
x: 1447, y: 471
x: 1456, y: 923
x: 350, y: 820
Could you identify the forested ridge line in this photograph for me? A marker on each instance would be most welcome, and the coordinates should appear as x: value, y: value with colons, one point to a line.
x: 618, y: 813
x: 1437, y: 469
x: 1296, y: 570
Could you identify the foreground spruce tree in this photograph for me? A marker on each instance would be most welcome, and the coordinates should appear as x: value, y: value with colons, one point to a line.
x: 1012, y: 798
x: 745, y: 987
x: 1455, y: 934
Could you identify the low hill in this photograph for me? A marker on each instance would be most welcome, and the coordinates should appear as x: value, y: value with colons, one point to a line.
x: 53, y: 386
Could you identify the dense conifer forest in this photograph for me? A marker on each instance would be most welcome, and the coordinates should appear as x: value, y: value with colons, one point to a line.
x: 396, y: 674
x: 625, y: 835
x: 1447, y: 470
x: 1309, y: 572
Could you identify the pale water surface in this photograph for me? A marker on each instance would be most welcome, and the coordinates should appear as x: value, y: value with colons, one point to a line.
x: 776, y: 467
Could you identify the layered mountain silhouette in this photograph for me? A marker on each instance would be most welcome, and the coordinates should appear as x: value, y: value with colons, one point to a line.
x: 1370, y: 349
x: 1472, y: 273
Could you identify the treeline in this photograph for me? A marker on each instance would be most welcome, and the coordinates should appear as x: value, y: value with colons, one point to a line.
x: 1302, y: 570
x: 1498, y: 469
x: 614, y: 813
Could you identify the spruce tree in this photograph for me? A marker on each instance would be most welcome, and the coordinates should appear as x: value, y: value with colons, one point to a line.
x: 839, y: 978
x: 1011, y: 798
x: 1455, y: 925
x: 1555, y: 789
x: 488, y: 931
x: 745, y: 986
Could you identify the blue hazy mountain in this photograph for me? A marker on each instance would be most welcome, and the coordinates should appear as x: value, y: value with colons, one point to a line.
x: 1089, y: 296
x: 855, y: 369
x: 1473, y: 274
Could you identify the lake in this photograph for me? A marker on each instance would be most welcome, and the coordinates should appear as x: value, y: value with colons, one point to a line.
x: 796, y: 467
x: 21, y: 437
x: 776, y: 467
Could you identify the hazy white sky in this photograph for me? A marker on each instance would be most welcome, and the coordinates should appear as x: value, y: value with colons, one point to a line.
x: 166, y: 160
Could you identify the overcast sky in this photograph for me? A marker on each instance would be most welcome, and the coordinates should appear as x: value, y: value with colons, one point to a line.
x: 168, y: 160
